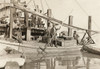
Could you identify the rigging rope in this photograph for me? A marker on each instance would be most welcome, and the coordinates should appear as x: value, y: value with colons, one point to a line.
x: 42, y: 5
x: 81, y: 7
x: 68, y: 14
x: 5, y: 8
x: 34, y: 4
x: 47, y: 4
x: 48, y: 7
x: 29, y: 2
x: 85, y: 12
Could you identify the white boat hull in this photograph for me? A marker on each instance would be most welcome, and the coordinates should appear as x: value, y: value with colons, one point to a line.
x: 11, y: 58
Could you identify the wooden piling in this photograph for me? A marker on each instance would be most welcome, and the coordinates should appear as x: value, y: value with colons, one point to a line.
x: 49, y: 12
x: 89, y: 25
x: 70, y: 23
x: 11, y: 20
x: 28, y: 30
x: 37, y: 10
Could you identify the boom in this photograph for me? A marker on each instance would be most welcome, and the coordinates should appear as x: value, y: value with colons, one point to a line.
x: 53, y: 20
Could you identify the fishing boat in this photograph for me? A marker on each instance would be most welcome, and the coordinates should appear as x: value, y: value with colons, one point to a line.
x: 27, y: 31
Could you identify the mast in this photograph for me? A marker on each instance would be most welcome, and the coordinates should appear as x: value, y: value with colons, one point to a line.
x: 70, y: 23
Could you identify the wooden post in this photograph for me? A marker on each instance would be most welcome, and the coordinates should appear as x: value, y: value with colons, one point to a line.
x: 89, y: 25
x: 11, y: 20
x: 28, y: 30
x: 49, y: 12
x: 70, y: 23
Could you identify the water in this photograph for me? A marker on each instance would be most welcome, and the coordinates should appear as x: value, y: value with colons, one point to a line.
x: 82, y: 61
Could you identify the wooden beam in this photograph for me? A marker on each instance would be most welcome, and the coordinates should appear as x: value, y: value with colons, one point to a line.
x: 56, y: 21
x: 37, y: 13
x: 70, y: 23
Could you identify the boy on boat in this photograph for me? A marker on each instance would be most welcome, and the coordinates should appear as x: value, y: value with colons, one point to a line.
x: 76, y: 37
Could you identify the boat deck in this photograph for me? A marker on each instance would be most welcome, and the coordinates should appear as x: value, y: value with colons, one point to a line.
x: 31, y: 48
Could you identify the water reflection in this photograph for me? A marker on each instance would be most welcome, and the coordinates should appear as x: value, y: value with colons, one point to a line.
x: 83, y: 61
x: 92, y: 61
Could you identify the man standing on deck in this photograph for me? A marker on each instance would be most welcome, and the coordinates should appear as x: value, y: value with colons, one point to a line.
x: 53, y: 33
x: 76, y: 37
x: 17, y: 31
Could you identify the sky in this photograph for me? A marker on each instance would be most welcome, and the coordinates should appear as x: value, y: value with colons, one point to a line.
x: 79, y: 9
